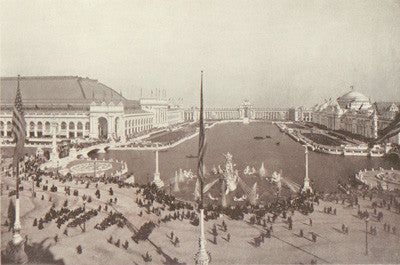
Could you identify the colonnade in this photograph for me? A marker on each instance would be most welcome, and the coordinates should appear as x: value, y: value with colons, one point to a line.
x: 43, y: 128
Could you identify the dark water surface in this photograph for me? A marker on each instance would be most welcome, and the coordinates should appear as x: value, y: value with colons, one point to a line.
x: 238, y: 139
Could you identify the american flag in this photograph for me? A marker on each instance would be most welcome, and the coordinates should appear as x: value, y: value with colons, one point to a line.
x: 202, y: 144
x: 18, y: 126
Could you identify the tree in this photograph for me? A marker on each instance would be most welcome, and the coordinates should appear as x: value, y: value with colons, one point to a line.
x: 11, y: 213
x: 35, y: 222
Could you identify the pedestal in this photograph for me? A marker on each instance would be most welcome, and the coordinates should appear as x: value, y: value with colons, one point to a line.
x: 159, y: 183
x: 53, y: 156
x: 202, y: 257
x: 306, y: 186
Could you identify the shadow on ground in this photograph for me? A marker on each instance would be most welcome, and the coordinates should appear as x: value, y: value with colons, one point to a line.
x: 37, y: 253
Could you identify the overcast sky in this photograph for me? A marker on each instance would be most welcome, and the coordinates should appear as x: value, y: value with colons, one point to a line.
x: 274, y: 53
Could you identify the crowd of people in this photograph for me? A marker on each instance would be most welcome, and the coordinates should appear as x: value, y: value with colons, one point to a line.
x: 166, y: 207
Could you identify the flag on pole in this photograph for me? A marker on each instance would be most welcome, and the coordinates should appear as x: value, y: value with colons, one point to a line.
x: 18, y: 126
x: 202, y: 143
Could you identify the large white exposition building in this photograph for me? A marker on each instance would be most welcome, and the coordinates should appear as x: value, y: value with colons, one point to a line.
x: 354, y: 112
x: 81, y: 108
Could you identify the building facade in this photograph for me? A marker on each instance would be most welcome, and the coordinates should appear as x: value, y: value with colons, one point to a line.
x: 77, y: 107
x: 300, y: 114
x: 353, y: 112
x: 246, y: 110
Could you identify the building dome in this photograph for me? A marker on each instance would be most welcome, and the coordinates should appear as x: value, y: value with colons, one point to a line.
x: 354, y: 96
x: 354, y: 100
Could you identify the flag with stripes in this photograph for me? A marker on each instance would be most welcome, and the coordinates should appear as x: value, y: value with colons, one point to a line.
x: 18, y: 126
x: 202, y: 136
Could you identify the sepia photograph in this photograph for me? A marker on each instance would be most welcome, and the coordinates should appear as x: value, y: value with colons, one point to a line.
x: 200, y: 132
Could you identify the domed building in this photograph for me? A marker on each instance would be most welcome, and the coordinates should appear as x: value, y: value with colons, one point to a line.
x: 354, y: 100
x: 352, y: 112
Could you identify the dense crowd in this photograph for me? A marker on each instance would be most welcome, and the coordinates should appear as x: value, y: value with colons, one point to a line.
x: 166, y: 207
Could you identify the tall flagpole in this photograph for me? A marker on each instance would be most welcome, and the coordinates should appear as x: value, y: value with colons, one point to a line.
x: 15, y: 249
x: 17, y: 224
x: 202, y: 257
x: 17, y: 239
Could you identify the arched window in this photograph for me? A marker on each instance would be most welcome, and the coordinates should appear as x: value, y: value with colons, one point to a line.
x: 71, y: 125
x: 87, y: 126
x: 31, y: 129
x: 63, y: 125
x: 1, y: 128
x: 80, y: 126
x: 31, y: 126
x: 9, y: 128
x: 39, y: 129
x: 47, y: 127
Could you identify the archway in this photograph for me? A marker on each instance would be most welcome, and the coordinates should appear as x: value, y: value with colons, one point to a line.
x: 31, y: 129
x: 103, y: 128
x: 79, y: 132
x: 246, y: 112
x: 39, y: 129
x: 71, y: 127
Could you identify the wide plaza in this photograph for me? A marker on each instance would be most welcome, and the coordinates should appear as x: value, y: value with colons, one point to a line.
x: 53, y: 245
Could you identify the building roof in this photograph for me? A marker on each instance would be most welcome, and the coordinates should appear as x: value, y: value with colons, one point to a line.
x: 383, y: 107
x: 354, y: 96
x: 58, y: 90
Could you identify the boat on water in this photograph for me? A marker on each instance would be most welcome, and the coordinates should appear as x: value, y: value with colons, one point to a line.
x: 258, y: 137
x: 278, y: 143
x: 191, y: 156
x: 267, y: 136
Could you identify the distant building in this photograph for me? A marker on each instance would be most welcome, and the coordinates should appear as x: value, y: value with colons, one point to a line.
x: 353, y: 112
x: 79, y: 107
x: 300, y: 114
x: 246, y: 110
x: 387, y: 112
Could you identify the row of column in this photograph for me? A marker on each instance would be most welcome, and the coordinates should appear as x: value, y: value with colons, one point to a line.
x: 37, y: 132
x: 160, y: 116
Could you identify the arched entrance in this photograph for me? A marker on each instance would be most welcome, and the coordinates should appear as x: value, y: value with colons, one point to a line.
x: 246, y: 111
x: 103, y: 127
